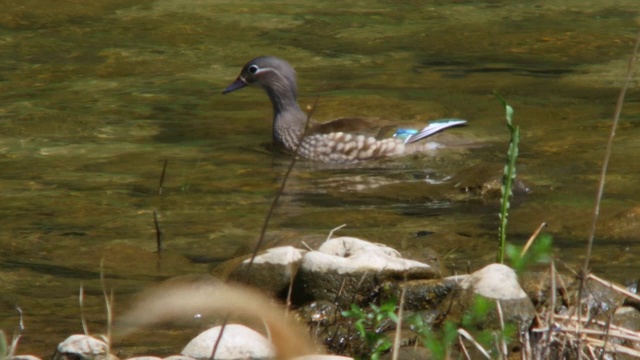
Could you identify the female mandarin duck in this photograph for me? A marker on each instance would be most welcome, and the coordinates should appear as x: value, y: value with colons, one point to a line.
x: 339, y: 141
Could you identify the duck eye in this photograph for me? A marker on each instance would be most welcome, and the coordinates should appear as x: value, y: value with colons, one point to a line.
x: 253, y: 69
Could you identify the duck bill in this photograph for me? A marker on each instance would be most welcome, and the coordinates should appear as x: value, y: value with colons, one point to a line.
x: 238, y: 84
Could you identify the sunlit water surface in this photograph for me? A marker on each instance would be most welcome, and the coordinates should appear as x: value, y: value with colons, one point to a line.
x: 96, y: 96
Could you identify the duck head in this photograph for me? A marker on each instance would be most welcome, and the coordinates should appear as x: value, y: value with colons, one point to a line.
x: 272, y: 74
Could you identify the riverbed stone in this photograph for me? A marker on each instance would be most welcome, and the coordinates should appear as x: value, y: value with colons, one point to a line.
x: 318, y: 313
x: 627, y: 317
x: 272, y: 271
x: 537, y: 285
x: 485, y: 181
x: 83, y: 347
x: 600, y: 298
x: 238, y: 342
x: 421, y: 294
x: 496, y: 283
x: 348, y: 270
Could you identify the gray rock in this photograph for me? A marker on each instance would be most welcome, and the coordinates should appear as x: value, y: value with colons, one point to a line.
x: 495, y: 283
x: 144, y: 358
x: 318, y: 313
x: 537, y: 284
x: 348, y: 270
x: 272, y: 271
x: 601, y: 298
x: 238, y: 342
x: 627, y: 317
x: 83, y: 347
x: 419, y: 294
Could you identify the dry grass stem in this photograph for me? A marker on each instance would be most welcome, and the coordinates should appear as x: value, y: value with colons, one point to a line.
x: 532, y: 238
x: 334, y: 230
x: 396, y: 340
x: 607, y: 156
x: 466, y: 335
x: 595, y: 336
x: 83, y: 319
x: 108, y: 301
x: 280, y: 191
x: 501, y: 342
x: 463, y: 347
x: 615, y: 287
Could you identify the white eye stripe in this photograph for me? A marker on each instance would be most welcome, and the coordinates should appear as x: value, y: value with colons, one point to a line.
x: 260, y: 70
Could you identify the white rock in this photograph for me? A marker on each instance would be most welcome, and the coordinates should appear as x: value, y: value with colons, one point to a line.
x: 349, y: 270
x: 278, y: 255
x: 495, y: 281
x: 83, y: 347
x: 498, y: 284
x: 348, y: 254
x: 238, y: 342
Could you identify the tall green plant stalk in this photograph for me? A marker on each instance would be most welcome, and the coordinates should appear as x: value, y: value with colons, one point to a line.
x: 508, y: 177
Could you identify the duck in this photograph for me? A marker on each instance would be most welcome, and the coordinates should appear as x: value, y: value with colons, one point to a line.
x: 343, y: 140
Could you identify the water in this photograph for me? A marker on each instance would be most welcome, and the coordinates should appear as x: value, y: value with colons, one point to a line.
x: 97, y: 96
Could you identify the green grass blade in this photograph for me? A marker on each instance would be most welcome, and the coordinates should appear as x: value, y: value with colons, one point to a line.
x: 508, y: 177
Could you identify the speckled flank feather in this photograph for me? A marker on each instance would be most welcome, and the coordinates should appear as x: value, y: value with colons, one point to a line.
x: 346, y: 148
x: 278, y: 79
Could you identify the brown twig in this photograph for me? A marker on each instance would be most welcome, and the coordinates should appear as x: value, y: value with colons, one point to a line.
x: 532, y: 238
x: 280, y: 191
x: 607, y: 155
x: 164, y: 171
x: 159, y: 234
x: 603, y: 174
x: 396, y: 340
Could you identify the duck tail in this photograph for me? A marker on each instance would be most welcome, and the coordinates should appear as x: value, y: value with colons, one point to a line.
x: 432, y: 128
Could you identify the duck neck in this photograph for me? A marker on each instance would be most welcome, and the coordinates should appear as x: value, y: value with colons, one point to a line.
x: 288, y: 120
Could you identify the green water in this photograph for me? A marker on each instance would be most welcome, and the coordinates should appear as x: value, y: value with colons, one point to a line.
x: 96, y: 96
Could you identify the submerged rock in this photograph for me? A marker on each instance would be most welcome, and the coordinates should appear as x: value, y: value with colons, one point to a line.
x: 348, y: 270
x: 485, y: 181
x: 623, y: 225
